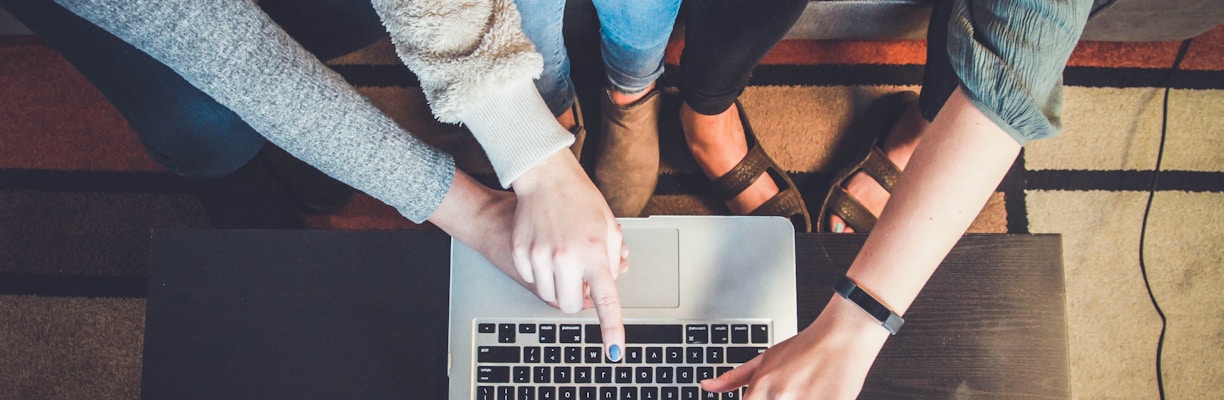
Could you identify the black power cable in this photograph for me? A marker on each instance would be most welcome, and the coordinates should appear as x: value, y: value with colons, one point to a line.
x: 1147, y: 211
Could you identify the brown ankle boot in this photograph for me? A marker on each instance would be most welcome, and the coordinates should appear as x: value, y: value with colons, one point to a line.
x: 579, y: 131
x: 627, y: 156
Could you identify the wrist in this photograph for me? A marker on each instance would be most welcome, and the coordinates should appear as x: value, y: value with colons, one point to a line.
x: 848, y: 320
x: 549, y: 172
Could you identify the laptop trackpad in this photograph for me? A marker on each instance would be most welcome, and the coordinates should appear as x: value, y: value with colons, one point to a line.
x: 653, y: 280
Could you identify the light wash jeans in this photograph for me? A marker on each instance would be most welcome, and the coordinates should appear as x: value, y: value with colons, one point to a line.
x: 633, y: 36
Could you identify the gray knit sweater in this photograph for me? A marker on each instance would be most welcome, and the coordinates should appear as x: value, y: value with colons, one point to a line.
x: 473, y: 61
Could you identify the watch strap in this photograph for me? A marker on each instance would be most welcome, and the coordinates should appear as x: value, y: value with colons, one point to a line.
x: 850, y: 290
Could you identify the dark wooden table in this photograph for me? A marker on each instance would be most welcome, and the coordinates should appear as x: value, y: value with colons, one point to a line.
x: 341, y: 314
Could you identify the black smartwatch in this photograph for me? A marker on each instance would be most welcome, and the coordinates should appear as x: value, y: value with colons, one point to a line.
x: 851, y: 291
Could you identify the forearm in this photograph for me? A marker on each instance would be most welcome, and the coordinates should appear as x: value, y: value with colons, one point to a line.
x: 952, y: 174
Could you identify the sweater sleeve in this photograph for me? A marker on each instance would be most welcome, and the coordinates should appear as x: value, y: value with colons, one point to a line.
x: 476, y: 67
x: 232, y: 51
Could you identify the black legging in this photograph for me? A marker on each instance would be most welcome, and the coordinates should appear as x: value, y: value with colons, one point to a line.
x: 724, y: 41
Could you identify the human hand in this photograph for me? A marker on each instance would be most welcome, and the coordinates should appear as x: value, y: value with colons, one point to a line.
x: 828, y: 360
x: 564, y: 235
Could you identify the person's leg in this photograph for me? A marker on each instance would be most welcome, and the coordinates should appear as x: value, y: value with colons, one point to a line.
x: 542, y: 23
x: 633, y: 39
x: 181, y: 128
x: 724, y: 41
x: 1020, y: 90
x: 187, y: 131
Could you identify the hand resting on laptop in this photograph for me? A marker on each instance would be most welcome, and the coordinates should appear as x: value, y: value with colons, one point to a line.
x: 565, y: 247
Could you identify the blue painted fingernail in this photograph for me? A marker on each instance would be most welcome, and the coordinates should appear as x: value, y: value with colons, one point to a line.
x: 839, y: 227
x: 614, y: 353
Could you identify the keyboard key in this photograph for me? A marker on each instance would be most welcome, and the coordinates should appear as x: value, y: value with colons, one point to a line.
x: 522, y: 374
x: 654, y: 355
x: 721, y: 370
x: 697, y: 334
x: 607, y: 393
x: 531, y: 354
x: 593, y: 333
x: 732, y: 395
x: 548, y: 393
x: 664, y: 374
x: 648, y: 393
x: 675, y: 355
x: 547, y: 333
x: 485, y: 392
x: 541, y: 374
x: 654, y: 334
x: 689, y: 393
x: 739, y: 333
x: 593, y: 354
x: 526, y: 393
x: 603, y: 374
x: 582, y: 374
x: 505, y: 393
x: 684, y: 374
x: 505, y: 333
x: 486, y: 328
x: 573, y: 355
x: 587, y: 393
x: 562, y: 374
x: 497, y: 354
x: 740, y: 355
x: 704, y: 373
x: 709, y: 395
x: 567, y: 393
x: 624, y: 375
x: 760, y: 334
x: 714, y: 355
x: 527, y: 328
x: 570, y: 333
x: 489, y: 374
x: 643, y: 375
x: 694, y: 355
x: 669, y: 393
x: 719, y: 334
x: 552, y: 355
x: 633, y: 355
x: 628, y: 393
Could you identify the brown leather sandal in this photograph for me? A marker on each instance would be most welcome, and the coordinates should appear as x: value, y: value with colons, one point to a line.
x: 873, y: 161
x: 787, y: 203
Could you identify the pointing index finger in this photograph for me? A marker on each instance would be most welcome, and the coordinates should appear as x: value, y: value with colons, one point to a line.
x: 608, y: 308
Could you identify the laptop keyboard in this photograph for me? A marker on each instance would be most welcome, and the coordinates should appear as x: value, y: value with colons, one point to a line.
x: 563, y: 360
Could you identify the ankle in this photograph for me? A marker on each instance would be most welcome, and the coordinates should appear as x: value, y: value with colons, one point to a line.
x: 716, y: 142
x: 568, y: 120
x: 622, y: 99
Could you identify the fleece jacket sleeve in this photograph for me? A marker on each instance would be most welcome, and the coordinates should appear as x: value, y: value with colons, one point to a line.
x: 476, y: 67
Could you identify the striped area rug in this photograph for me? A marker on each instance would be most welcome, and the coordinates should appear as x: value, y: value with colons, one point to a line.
x: 78, y: 197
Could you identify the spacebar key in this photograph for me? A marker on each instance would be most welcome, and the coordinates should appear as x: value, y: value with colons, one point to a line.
x: 654, y: 333
x: 740, y: 355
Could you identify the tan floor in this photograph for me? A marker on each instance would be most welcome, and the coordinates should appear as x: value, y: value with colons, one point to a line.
x: 1112, y: 326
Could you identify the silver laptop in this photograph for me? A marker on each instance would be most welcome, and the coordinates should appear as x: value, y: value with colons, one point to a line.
x: 702, y: 295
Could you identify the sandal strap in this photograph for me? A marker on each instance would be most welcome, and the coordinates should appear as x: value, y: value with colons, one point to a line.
x: 883, y: 170
x: 742, y: 175
x: 779, y: 204
x: 851, y: 210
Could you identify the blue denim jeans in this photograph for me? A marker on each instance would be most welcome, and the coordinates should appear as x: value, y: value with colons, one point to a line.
x: 633, y: 37
x: 180, y: 127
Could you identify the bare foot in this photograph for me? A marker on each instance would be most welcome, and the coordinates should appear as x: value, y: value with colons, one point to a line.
x: 718, y: 144
x: 899, y: 145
